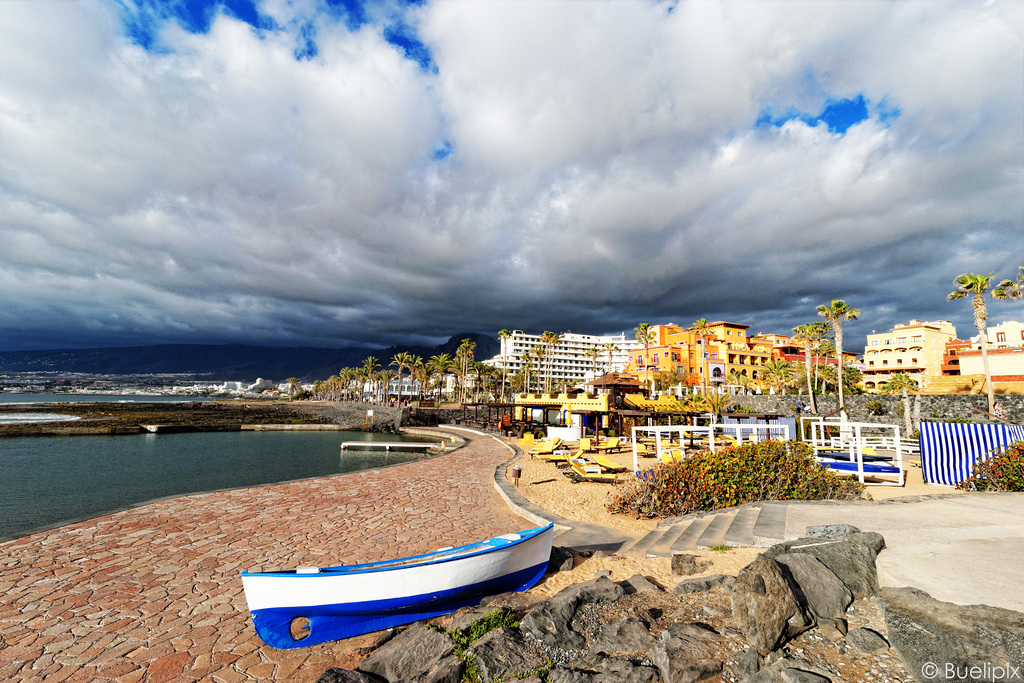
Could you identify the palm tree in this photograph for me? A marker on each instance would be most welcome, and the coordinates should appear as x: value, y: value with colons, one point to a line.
x: 592, y: 353
x: 610, y: 348
x: 905, y: 383
x: 836, y: 312
x: 384, y: 379
x: 975, y: 286
x: 465, y: 355
x: 778, y: 373
x: 402, y: 360
x: 702, y: 330
x: 294, y: 386
x: 810, y: 333
x: 441, y: 364
x: 550, y: 341
x: 645, y: 335
x: 370, y: 365
x: 503, y: 334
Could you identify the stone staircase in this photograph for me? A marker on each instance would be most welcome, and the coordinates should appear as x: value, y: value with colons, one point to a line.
x: 756, y: 525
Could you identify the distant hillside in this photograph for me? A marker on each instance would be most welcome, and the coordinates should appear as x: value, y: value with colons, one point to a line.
x: 227, y: 361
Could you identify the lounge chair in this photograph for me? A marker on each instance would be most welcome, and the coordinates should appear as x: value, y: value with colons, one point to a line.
x: 609, y: 466
x: 577, y: 473
x: 546, y: 447
x: 666, y: 458
x: 612, y: 444
x: 586, y: 444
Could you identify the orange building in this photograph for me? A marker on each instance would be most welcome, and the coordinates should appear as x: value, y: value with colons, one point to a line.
x: 681, y: 352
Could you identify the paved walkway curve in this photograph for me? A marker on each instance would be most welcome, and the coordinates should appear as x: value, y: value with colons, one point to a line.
x: 153, y: 593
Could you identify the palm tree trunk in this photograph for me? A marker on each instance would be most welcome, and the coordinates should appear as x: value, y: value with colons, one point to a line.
x: 839, y: 373
x: 810, y: 389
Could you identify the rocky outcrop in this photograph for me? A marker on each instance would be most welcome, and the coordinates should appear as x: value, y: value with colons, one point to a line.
x: 943, y: 641
x: 783, y: 619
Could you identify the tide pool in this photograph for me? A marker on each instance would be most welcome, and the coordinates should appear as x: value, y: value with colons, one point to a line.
x: 51, y: 481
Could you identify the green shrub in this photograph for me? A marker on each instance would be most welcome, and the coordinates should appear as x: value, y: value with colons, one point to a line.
x: 875, y: 407
x: 769, y: 470
x: 1003, y: 471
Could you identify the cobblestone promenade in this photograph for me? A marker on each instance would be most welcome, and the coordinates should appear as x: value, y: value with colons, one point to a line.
x: 154, y: 593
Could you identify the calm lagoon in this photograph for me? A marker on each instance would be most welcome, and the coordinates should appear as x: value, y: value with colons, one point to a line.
x: 50, y: 481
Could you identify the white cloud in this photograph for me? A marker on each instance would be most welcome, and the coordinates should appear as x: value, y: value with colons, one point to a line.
x: 605, y: 168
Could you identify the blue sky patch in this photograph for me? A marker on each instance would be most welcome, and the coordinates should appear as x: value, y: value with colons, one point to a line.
x: 838, y: 114
x: 443, y: 151
x: 142, y: 20
x: 404, y: 37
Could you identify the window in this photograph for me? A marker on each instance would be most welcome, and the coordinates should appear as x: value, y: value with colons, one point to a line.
x: 884, y: 362
x: 888, y: 342
x: 899, y: 361
x: 917, y: 338
x: 871, y: 363
x: 901, y: 340
x: 1000, y: 336
x: 874, y: 342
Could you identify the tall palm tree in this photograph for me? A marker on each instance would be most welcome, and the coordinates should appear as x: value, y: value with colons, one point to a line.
x: 975, y: 286
x: 592, y: 353
x: 836, y: 312
x: 370, y: 365
x: 645, y: 335
x: 440, y: 364
x: 610, y: 348
x: 294, y: 386
x: 810, y: 333
x: 550, y: 341
x: 503, y: 334
x: 402, y: 360
x: 703, y: 329
x: 465, y: 356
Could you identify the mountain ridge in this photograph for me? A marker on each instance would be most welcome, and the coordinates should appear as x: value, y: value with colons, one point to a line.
x: 226, y: 361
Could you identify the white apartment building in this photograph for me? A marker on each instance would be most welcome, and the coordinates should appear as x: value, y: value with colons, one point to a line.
x: 1009, y: 334
x: 568, y: 359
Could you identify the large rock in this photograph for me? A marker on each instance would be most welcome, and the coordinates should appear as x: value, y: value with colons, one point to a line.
x: 501, y: 654
x: 825, y: 595
x: 622, y: 671
x: 766, y: 606
x: 943, y: 641
x: 551, y: 621
x: 686, y: 653
x: 418, y: 654
x: 629, y: 635
x: 851, y: 558
x: 684, y: 564
x: 701, y: 584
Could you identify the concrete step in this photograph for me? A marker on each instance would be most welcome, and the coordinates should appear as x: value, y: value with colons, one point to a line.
x: 770, y: 527
x: 688, y: 539
x: 644, y: 543
x: 663, y: 546
x: 740, y: 533
x: 715, y: 533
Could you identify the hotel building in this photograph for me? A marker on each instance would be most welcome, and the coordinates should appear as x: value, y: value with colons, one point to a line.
x: 915, y: 349
x: 568, y: 359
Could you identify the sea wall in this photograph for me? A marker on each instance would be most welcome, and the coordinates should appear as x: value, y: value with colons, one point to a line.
x: 924, y: 407
x: 355, y: 415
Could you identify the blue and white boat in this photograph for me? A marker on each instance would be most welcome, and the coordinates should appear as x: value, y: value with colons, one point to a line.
x: 312, y: 605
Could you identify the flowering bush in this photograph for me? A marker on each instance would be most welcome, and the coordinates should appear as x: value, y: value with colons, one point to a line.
x: 769, y: 470
x: 1003, y: 471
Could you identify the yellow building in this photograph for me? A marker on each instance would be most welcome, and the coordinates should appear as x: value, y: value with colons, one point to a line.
x: 915, y: 349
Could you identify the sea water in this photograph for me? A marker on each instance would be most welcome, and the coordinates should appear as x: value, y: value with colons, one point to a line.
x: 50, y: 481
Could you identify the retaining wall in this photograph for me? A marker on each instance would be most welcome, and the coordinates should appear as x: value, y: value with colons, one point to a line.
x: 923, y: 407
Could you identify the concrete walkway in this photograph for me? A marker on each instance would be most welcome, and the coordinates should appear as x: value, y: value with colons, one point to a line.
x: 966, y: 549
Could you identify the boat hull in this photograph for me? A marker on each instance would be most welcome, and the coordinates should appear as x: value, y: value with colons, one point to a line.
x: 341, y: 602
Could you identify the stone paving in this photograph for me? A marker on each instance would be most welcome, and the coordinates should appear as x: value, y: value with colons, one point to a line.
x: 154, y: 593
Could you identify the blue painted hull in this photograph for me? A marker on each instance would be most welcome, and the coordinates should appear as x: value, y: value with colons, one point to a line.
x: 341, y: 602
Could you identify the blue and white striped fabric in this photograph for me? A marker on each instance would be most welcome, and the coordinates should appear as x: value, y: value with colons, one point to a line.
x: 949, y: 450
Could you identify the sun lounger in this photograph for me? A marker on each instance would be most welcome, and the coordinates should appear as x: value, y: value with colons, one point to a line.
x: 577, y: 473
x: 546, y: 447
x: 586, y: 444
x: 607, y: 465
x: 612, y: 444
x: 666, y: 458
